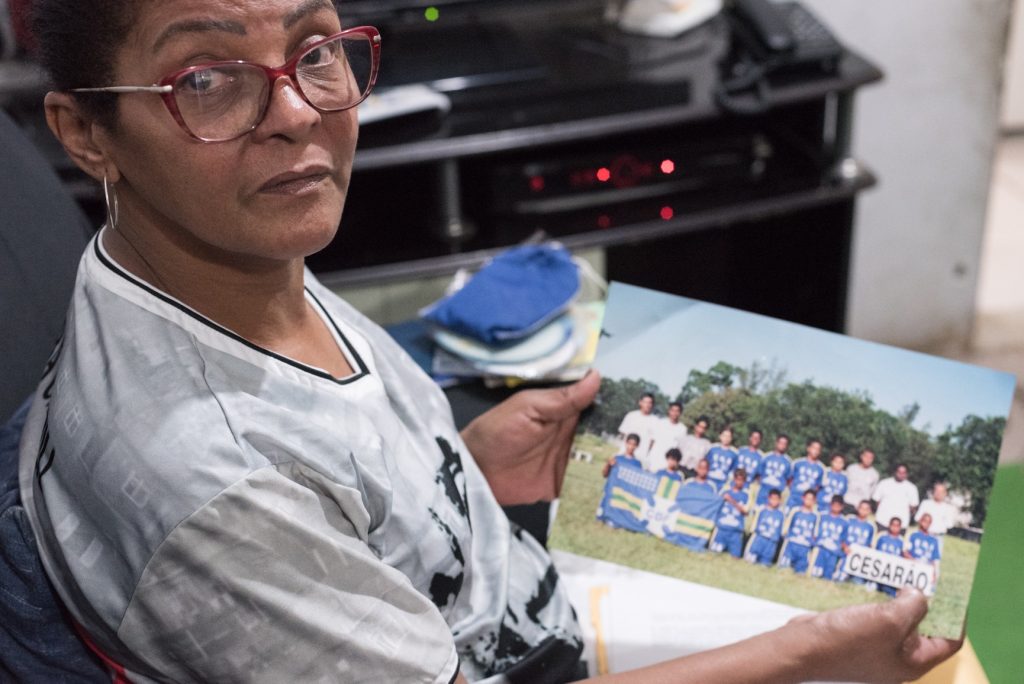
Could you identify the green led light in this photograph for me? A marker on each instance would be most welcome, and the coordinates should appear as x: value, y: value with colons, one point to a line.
x: 431, y: 13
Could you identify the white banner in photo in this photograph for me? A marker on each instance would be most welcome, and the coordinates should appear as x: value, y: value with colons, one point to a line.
x: 894, y: 571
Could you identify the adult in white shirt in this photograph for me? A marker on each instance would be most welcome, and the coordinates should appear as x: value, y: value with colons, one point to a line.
x: 943, y: 512
x: 668, y: 433
x: 695, y: 446
x: 640, y: 421
x: 897, y: 497
x: 863, y: 478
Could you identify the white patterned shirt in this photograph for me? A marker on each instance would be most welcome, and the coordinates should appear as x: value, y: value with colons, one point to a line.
x: 209, y: 510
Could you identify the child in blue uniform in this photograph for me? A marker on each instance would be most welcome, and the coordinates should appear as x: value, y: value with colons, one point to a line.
x: 627, y: 458
x: 831, y: 532
x: 806, y: 474
x: 749, y: 457
x: 891, y: 543
x: 800, y: 535
x: 701, y: 476
x: 834, y: 482
x: 721, y: 459
x: 672, y: 468
x: 729, y: 524
x: 922, y: 545
x: 775, y: 470
x: 859, y: 531
x: 764, y: 542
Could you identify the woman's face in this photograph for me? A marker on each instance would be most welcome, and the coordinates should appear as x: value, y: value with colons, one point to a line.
x: 275, y: 193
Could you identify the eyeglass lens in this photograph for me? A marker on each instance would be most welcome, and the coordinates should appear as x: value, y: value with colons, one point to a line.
x: 225, y: 101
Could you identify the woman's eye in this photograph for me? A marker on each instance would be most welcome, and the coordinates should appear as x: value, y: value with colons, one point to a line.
x: 319, y: 56
x: 204, y: 80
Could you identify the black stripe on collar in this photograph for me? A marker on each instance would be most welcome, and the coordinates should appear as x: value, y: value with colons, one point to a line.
x: 362, y: 368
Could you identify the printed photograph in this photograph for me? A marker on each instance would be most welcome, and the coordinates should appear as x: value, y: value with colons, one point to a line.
x: 782, y: 462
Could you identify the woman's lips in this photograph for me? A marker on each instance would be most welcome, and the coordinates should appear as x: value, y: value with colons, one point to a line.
x: 295, y: 182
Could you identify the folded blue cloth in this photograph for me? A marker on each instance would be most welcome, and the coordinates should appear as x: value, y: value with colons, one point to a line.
x: 513, y: 296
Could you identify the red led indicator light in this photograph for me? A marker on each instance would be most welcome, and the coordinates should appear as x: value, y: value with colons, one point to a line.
x: 667, y: 213
x: 604, y: 221
x: 537, y: 183
x: 603, y: 174
x: 668, y: 166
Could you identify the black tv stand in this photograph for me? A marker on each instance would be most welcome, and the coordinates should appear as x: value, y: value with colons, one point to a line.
x: 456, y: 58
x: 759, y: 214
x: 770, y: 233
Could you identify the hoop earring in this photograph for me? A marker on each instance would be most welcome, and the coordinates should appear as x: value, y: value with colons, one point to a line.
x: 112, y: 208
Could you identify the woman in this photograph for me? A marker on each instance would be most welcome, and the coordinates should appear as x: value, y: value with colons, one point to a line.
x: 233, y: 475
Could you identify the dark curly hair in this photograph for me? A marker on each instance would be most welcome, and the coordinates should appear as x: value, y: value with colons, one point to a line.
x: 77, y: 43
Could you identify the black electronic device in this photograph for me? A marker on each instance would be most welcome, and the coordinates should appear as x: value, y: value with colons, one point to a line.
x: 406, y: 13
x: 784, y: 36
x: 460, y: 59
x: 772, y: 42
x: 561, y: 182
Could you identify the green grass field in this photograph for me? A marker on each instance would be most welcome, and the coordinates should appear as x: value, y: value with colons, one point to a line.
x: 577, y: 530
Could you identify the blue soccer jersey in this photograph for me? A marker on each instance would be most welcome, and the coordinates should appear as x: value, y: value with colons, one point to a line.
x: 769, y: 524
x: 806, y: 475
x: 859, y: 532
x: 831, y: 531
x: 674, y: 474
x: 924, y: 547
x: 750, y: 460
x: 774, y: 473
x: 890, y: 544
x: 802, y: 526
x: 799, y: 540
x: 630, y: 461
x: 764, y: 542
x: 730, y: 517
x: 832, y: 484
x: 721, y: 462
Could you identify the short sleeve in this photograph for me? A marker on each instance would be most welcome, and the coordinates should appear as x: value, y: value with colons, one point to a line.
x: 915, y: 498
x: 269, y: 582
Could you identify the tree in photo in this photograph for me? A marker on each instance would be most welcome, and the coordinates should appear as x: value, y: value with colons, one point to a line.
x: 616, y: 399
x: 966, y: 458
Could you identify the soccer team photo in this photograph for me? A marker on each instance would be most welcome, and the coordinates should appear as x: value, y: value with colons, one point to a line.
x: 782, y: 462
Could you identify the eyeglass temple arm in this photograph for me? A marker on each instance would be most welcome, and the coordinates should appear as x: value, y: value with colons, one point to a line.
x: 126, y: 89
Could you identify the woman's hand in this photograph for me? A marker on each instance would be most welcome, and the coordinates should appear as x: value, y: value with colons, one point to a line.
x: 884, y: 637
x: 877, y: 642
x: 522, y: 444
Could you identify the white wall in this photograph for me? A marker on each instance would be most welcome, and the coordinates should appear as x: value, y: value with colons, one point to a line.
x: 929, y: 131
x: 1013, y: 93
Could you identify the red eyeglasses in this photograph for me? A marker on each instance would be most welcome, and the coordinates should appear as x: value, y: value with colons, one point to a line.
x: 222, y: 101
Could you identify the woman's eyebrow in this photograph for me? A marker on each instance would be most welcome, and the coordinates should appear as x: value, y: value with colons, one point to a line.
x: 198, y: 26
x: 305, y: 9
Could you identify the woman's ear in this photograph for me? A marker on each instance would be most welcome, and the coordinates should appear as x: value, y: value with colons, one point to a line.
x: 77, y: 132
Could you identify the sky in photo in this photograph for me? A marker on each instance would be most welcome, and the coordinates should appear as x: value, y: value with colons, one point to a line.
x: 662, y: 337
